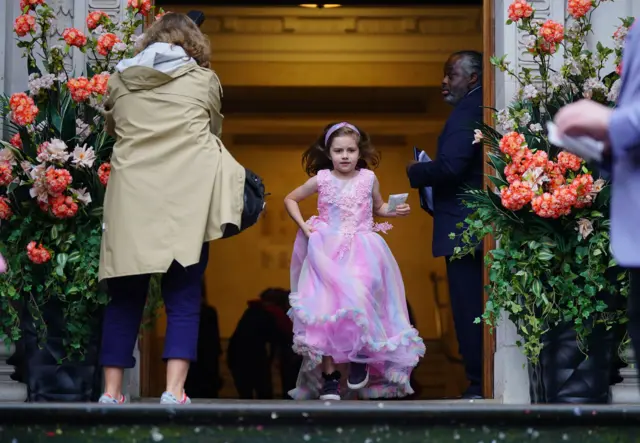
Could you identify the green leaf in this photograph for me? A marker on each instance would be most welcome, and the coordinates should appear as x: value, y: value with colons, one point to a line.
x: 62, y: 259
x: 54, y: 232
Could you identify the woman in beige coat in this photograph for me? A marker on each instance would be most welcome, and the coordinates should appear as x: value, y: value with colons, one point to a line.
x: 173, y: 187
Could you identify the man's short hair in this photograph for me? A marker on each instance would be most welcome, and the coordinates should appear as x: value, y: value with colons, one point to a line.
x: 471, y: 62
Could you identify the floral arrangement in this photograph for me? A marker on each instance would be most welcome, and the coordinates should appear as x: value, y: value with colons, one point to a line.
x: 549, y: 209
x: 55, y: 166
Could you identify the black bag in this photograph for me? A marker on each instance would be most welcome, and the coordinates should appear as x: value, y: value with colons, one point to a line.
x: 254, y: 196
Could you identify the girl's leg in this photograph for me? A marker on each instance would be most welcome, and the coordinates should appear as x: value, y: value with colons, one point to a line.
x: 331, y: 376
x: 182, y: 293
x: 328, y: 366
x: 121, y: 325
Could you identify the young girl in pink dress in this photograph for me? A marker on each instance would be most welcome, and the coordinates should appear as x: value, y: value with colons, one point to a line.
x: 348, y: 303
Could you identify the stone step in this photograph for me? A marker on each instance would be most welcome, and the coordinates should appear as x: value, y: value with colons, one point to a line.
x: 317, y: 421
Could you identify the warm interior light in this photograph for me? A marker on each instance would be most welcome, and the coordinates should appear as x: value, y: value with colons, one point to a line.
x: 320, y: 5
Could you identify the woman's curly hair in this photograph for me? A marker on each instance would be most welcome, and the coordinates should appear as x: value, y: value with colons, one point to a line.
x: 178, y: 29
x: 318, y: 156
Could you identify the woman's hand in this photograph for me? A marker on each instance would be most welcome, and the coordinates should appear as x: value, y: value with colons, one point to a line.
x: 308, y: 230
x: 403, y: 210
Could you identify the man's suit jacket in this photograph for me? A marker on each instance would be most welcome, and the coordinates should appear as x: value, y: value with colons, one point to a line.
x: 458, y: 166
x: 624, y: 134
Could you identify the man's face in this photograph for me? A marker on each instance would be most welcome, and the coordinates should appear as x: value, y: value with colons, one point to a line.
x: 456, y: 82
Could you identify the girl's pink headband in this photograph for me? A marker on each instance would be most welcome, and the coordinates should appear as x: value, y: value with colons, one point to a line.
x: 337, y: 126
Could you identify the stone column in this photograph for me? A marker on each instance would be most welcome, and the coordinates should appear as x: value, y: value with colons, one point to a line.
x: 628, y: 390
x: 10, y: 390
x: 511, y: 378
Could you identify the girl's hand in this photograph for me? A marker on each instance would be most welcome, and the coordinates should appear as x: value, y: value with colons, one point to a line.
x: 308, y: 230
x: 403, y: 210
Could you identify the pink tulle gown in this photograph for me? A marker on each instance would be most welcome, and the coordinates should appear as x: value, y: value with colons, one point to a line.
x: 347, y: 295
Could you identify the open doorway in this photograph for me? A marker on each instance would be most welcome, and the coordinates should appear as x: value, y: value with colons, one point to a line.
x: 289, y: 71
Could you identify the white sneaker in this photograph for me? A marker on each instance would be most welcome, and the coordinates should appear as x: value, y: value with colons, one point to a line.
x: 169, y: 399
x: 107, y: 399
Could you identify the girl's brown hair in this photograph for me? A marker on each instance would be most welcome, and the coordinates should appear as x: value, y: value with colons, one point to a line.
x: 317, y: 156
x: 178, y: 29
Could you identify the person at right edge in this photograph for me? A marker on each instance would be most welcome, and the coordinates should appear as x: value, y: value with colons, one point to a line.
x: 457, y: 167
x: 619, y: 129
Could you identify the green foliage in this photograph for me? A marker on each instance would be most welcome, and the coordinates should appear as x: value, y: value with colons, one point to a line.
x: 27, y: 201
x: 547, y: 268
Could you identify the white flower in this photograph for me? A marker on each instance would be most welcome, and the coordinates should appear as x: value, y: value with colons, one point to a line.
x: 39, y: 189
x: 119, y: 47
x: 592, y: 85
x: 96, y: 104
x: 6, y: 156
x: 82, y: 195
x: 82, y: 130
x: 556, y: 80
x: 83, y: 157
x: 54, y: 151
x: 535, y: 177
x: 619, y: 36
x: 477, y: 136
x: 26, y: 167
x: 37, y: 83
x: 572, y: 31
x: 505, y: 122
x: 530, y: 92
x: 572, y: 65
x: 529, y: 41
x: 524, y: 119
x: 584, y: 228
x: 99, y: 30
x: 535, y: 127
x: 613, y: 94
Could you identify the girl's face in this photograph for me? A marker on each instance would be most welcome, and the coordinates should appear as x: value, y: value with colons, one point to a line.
x: 344, y: 153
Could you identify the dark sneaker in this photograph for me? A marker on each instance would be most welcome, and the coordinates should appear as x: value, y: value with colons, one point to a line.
x: 358, y: 376
x: 331, y: 387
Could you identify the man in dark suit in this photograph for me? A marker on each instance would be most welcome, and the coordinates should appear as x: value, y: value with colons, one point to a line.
x: 458, y: 166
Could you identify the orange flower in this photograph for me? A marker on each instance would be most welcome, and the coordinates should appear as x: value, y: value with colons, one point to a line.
x: 74, y: 37
x: 99, y: 83
x: 95, y: 18
x: 511, y: 143
x: 520, y: 162
x: 539, y: 160
x: 106, y: 42
x: 31, y: 4
x: 24, y: 24
x: 519, y: 9
x: 5, y: 209
x: 38, y: 254
x: 57, y: 180
x: 552, y: 31
x: 547, y: 48
x: 144, y: 6
x: 6, y: 174
x: 579, y: 8
x: 104, y: 171
x: 568, y: 161
x: 63, y: 206
x: 80, y: 89
x: 555, y: 174
x: 16, y: 141
x: 516, y: 195
x: 23, y: 109
x: 583, y: 185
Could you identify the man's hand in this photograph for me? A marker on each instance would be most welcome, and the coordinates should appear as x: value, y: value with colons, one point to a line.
x: 584, y: 118
x: 411, y: 163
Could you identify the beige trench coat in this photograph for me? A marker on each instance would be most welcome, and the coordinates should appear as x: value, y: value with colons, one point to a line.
x: 173, y: 184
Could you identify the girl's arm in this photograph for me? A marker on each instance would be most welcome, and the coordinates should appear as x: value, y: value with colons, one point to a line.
x: 297, y: 195
x: 380, y: 208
